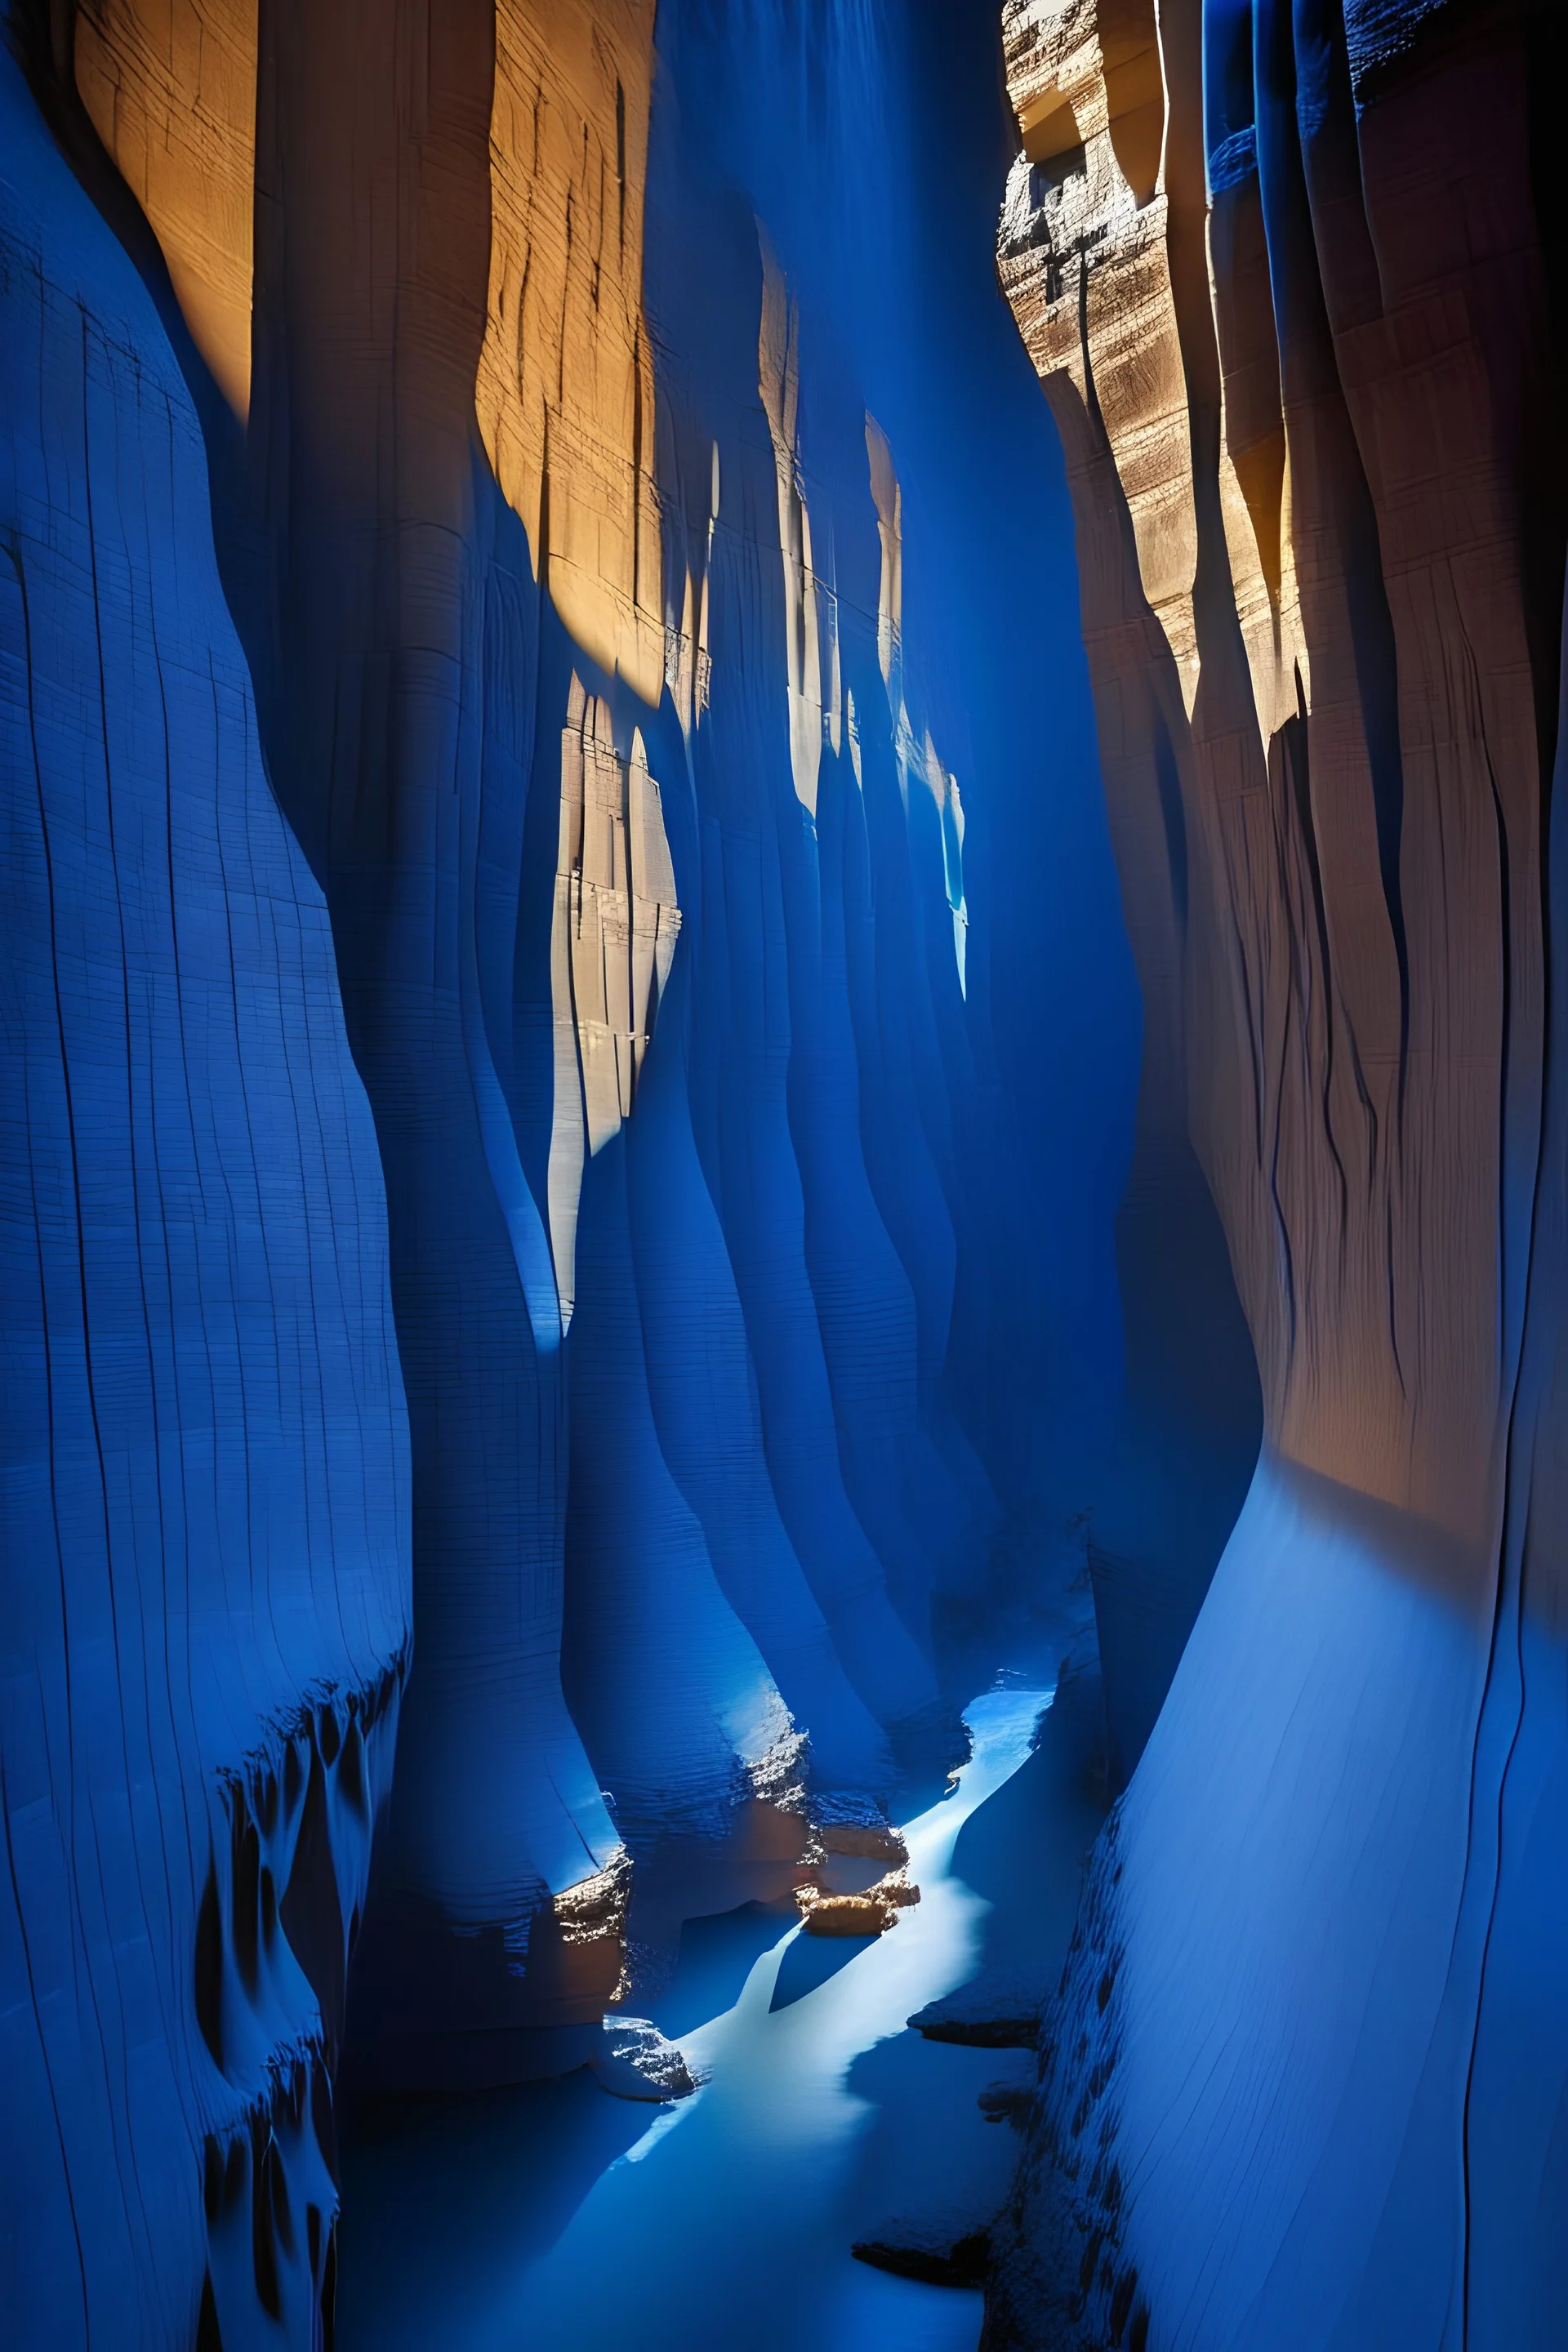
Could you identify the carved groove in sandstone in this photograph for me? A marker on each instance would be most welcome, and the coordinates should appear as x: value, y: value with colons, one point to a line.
x: 283, y: 1899
x: 810, y: 616
x: 612, y: 945
x: 693, y: 1183
x: 1301, y: 390
x: 1280, y: 773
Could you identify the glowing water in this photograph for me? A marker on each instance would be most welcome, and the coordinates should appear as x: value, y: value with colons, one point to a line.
x: 727, y: 2224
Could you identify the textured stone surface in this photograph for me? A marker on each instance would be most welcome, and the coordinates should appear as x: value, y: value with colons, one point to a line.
x: 519, y: 685
x: 844, y: 1915
x: 170, y: 86
x: 204, y: 1614
x: 616, y: 641
x: 565, y: 385
x: 612, y: 944
x: 409, y: 637
x: 1322, y: 608
x: 1093, y: 275
x: 639, y: 2063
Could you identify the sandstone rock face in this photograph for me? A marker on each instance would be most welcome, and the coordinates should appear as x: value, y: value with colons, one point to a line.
x: 170, y: 86
x: 612, y: 944
x: 861, y: 1911
x: 565, y: 386
x: 403, y: 593
x: 1301, y: 374
x: 844, y: 1915
x: 1093, y: 262
x: 598, y: 607
x: 204, y: 1605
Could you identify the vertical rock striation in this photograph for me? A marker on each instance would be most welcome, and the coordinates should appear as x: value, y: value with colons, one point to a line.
x: 408, y: 639
x: 577, y: 621
x: 1304, y: 388
x: 204, y: 1608
x: 1086, y: 259
x: 721, y: 947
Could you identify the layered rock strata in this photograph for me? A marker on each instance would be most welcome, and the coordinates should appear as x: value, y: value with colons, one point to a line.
x: 1086, y: 257
x: 603, y: 669
x: 1301, y: 374
x: 635, y: 689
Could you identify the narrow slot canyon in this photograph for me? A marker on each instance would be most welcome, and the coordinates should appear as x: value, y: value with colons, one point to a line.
x: 782, y: 1122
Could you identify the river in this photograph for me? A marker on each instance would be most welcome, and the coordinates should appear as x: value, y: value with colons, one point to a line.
x: 554, y: 2219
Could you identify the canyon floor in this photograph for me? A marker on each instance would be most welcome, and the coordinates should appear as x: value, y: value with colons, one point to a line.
x: 491, y: 2222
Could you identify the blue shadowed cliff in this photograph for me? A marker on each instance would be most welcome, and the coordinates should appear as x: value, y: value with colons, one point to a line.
x: 859, y: 160
x: 204, y: 1515
x: 784, y: 1175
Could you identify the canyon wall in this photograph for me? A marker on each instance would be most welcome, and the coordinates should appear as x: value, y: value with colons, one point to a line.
x: 724, y: 943
x: 1291, y: 282
x: 205, y: 1617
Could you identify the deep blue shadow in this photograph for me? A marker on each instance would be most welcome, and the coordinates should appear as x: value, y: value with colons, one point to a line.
x: 448, y: 2201
x: 717, y: 1955
x: 809, y: 1962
